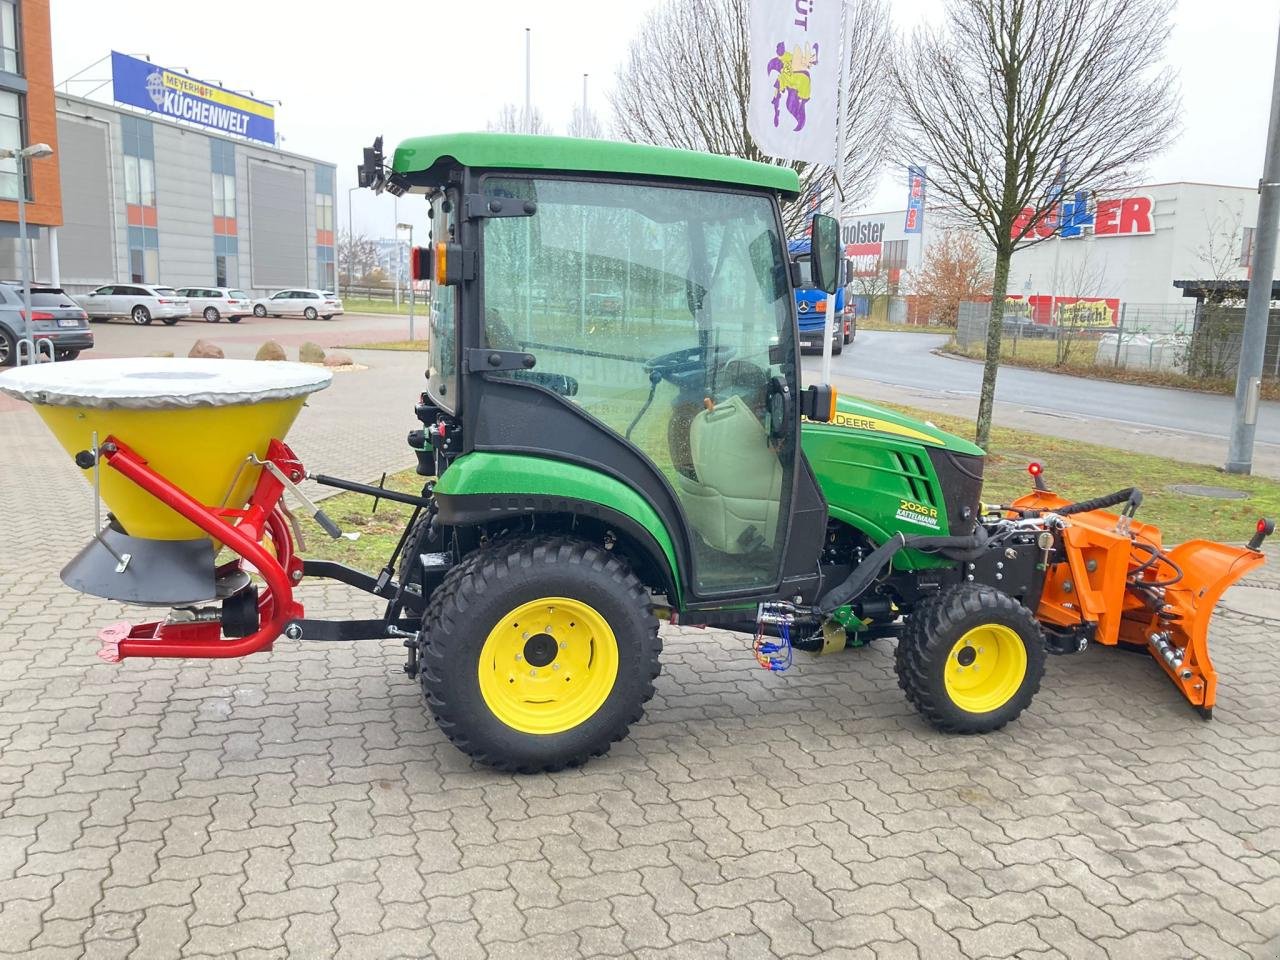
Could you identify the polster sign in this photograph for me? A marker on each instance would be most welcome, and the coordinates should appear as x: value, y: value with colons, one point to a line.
x: 1109, y: 217
x: 864, y: 246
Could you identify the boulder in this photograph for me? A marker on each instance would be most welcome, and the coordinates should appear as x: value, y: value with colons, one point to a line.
x: 161, y: 353
x: 203, y: 348
x: 338, y: 360
x: 311, y: 353
x: 271, y: 351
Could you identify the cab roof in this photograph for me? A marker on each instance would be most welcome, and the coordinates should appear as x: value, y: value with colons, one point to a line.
x: 518, y: 151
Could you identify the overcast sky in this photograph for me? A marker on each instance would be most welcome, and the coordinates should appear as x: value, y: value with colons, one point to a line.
x: 408, y: 67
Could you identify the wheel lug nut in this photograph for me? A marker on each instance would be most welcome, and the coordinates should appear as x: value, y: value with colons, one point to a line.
x: 533, y: 673
x: 519, y: 656
x: 555, y: 666
x: 563, y: 644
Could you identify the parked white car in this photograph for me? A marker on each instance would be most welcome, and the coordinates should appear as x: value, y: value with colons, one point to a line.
x: 214, y: 303
x: 139, y: 302
x: 299, y: 302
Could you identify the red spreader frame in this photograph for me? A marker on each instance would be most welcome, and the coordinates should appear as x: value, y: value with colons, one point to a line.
x: 240, y: 530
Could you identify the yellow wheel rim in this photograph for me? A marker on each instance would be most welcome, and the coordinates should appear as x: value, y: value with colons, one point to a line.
x: 548, y: 665
x: 985, y: 668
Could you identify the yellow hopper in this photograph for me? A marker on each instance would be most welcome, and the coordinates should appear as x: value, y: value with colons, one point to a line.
x: 196, y: 422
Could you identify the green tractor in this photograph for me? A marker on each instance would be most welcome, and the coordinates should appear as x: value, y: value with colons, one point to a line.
x: 590, y: 475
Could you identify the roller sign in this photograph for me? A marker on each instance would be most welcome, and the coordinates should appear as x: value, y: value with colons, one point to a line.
x: 1076, y: 216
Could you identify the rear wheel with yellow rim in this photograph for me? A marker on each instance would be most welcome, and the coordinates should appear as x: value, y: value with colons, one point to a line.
x: 971, y: 659
x: 538, y: 654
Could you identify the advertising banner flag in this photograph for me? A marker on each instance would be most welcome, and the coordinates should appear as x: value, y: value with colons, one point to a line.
x: 140, y: 83
x: 915, y: 200
x: 795, y: 78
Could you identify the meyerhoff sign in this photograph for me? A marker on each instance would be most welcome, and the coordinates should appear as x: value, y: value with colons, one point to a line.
x: 142, y: 84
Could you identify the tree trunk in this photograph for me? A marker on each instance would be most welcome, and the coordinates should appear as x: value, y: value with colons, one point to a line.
x: 995, y: 328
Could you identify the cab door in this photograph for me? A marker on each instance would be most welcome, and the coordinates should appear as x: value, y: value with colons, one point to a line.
x: 687, y: 390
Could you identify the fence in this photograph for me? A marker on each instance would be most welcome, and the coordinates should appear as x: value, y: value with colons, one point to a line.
x: 378, y: 291
x: 1201, y: 341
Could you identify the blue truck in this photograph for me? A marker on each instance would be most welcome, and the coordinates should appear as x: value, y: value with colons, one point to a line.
x: 811, y: 305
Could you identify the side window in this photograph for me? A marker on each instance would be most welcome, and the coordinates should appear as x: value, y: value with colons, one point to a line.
x: 442, y: 339
x: 105, y: 291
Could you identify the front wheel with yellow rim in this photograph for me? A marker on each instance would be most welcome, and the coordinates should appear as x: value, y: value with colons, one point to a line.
x: 971, y: 659
x: 538, y: 654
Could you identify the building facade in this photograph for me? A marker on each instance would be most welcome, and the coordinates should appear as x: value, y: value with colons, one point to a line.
x: 1127, y: 247
x: 27, y: 116
x: 149, y: 200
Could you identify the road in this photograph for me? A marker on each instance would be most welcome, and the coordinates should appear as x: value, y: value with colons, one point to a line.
x: 1193, y: 426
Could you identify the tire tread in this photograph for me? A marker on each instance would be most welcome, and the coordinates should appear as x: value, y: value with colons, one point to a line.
x: 483, y: 570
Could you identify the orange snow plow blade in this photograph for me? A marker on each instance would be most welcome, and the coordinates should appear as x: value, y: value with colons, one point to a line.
x: 1113, y: 573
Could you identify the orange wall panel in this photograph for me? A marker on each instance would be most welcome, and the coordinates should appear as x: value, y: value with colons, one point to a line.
x: 42, y: 126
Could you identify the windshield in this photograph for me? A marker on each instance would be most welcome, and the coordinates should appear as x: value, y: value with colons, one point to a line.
x: 238, y: 295
x: 166, y: 291
x: 46, y: 298
x: 664, y: 313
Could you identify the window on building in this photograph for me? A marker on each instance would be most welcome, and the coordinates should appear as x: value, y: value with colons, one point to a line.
x: 325, y: 276
x: 10, y: 42
x: 226, y: 266
x: 223, y: 164
x: 324, y: 227
x: 139, y: 161
x: 144, y: 254
x: 894, y: 255
x: 11, y: 138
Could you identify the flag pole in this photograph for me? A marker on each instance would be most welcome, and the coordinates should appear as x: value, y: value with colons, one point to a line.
x: 837, y: 171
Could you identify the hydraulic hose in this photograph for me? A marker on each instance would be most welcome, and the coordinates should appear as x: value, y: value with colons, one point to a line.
x: 1131, y: 495
x: 865, y: 573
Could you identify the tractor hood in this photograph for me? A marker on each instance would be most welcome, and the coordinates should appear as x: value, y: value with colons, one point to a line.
x: 862, y: 417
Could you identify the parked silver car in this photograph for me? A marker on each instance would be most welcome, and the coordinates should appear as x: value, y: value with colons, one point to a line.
x: 214, y: 303
x: 140, y: 302
x: 299, y: 302
x: 54, y: 317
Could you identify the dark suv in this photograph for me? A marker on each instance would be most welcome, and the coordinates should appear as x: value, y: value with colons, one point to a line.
x: 54, y: 317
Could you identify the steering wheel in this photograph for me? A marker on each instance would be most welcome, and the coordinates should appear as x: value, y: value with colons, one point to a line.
x: 686, y: 369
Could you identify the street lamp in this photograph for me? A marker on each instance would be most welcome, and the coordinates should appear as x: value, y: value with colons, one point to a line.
x: 351, y: 245
x: 34, y: 152
x: 409, y: 227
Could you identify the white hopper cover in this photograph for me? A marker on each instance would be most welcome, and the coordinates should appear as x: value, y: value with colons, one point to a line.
x: 159, y: 383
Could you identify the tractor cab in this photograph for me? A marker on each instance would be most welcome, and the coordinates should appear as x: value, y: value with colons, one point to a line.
x: 613, y: 342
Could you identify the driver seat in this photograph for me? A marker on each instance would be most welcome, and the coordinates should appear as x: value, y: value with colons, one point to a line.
x: 736, y: 491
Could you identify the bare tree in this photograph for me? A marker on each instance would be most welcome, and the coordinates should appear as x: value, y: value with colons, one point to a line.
x: 686, y: 83
x: 585, y: 123
x: 357, y: 255
x: 513, y: 119
x: 1213, y: 349
x: 1014, y: 103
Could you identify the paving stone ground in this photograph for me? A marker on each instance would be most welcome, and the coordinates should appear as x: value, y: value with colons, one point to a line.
x: 301, y: 804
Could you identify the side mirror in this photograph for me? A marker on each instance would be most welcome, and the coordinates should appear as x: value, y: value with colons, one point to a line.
x: 818, y: 403
x: 824, y: 240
